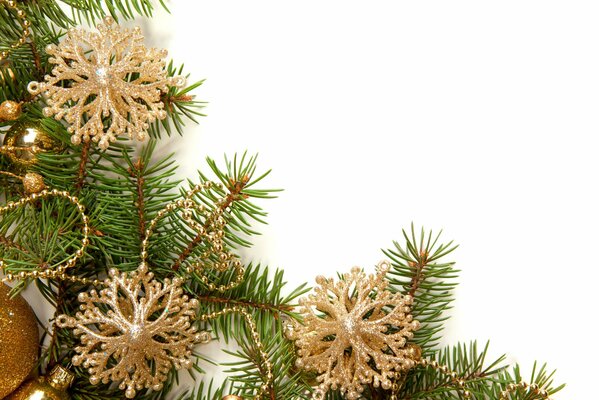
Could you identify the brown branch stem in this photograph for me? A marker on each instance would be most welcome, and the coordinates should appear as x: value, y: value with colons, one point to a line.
x: 82, y: 173
x: 37, y: 60
x: 59, y: 301
x: 170, y: 101
x: 9, y: 243
x: 235, y: 190
x: 136, y: 173
x: 419, y: 275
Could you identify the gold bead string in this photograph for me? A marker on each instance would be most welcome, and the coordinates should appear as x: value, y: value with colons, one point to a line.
x: 212, y: 231
x: 23, y: 21
x: 6, y: 149
x: 32, y: 182
x: 460, y: 383
x: 10, y: 174
x: 532, y: 388
x: 455, y: 378
x: 58, y: 272
x: 256, y: 339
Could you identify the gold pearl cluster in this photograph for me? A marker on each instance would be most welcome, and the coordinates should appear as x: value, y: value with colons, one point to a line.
x: 23, y: 21
x: 532, y: 389
x: 58, y: 272
x: 266, y: 367
x: 212, y: 231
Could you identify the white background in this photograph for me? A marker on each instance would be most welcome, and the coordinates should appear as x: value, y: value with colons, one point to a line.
x: 476, y: 117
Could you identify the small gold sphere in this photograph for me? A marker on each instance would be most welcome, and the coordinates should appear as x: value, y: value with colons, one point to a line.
x: 19, y: 337
x: 10, y: 110
x: 33, y: 183
x: 232, y: 397
x: 28, y: 135
x: 52, y: 387
x: 415, y: 352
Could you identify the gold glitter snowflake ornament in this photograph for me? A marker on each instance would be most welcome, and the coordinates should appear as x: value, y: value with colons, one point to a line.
x: 134, y: 331
x: 354, y: 332
x: 106, y: 83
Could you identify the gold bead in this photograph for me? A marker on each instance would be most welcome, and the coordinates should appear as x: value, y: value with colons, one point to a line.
x: 10, y: 110
x: 33, y: 183
x: 232, y: 397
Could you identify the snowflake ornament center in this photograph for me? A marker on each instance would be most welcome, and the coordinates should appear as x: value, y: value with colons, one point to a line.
x: 102, y: 76
x: 136, y: 334
x: 350, y: 325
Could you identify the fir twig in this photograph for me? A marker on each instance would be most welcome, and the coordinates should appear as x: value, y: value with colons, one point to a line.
x: 235, y: 189
x: 82, y: 172
x: 136, y: 172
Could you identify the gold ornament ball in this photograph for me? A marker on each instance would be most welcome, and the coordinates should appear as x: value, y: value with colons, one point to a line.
x: 27, y: 135
x: 33, y: 183
x: 18, y: 341
x: 10, y: 110
x: 232, y: 397
x: 52, y: 387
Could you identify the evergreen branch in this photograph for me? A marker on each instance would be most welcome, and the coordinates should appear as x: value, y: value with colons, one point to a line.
x: 136, y: 172
x: 234, y: 194
x: 180, y: 105
x: 247, y: 373
x: 278, y: 309
x: 259, y: 291
x: 5, y: 241
x: 53, y: 346
x: 37, y: 61
x: 206, y: 391
x: 484, y: 380
x: 82, y: 165
x: 417, y: 271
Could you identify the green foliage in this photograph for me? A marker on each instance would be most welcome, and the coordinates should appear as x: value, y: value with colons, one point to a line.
x: 418, y: 270
x: 485, y: 380
x: 123, y: 190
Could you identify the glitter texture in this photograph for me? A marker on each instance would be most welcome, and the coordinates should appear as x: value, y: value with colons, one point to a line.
x: 18, y: 341
x: 354, y: 332
x: 33, y: 183
x: 110, y: 73
x: 145, y: 332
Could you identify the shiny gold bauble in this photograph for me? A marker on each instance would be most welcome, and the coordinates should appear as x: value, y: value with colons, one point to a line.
x: 232, y: 397
x: 26, y: 135
x: 33, y: 183
x: 52, y: 387
x: 10, y: 110
x: 19, y: 337
x: 414, y: 352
